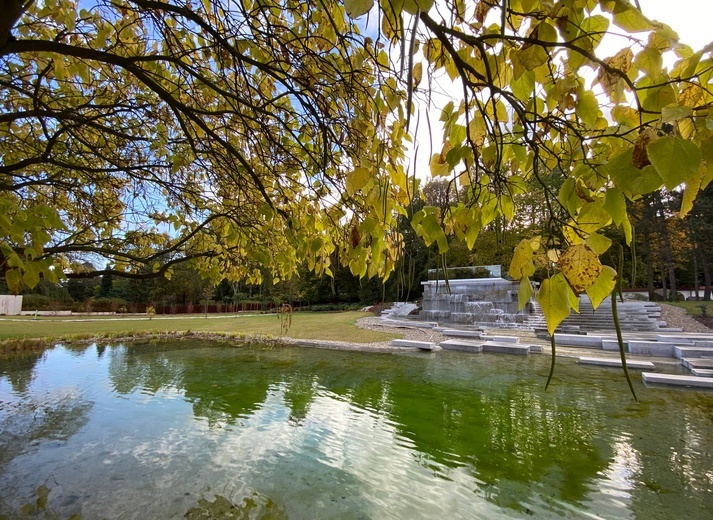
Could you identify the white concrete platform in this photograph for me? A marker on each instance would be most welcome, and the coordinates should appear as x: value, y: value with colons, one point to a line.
x: 691, y: 363
x: 702, y: 372
x: 535, y: 349
x: 616, y: 362
x: 505, y: 348
x: 650, y: 348
x: 613, y: 345
x: 692, y: 352
x: 461, y: 344
x: 677, y: 380
x: 462, y: 333
x: 501, y: 339
x: 578, y: 340
x: 423, y: 345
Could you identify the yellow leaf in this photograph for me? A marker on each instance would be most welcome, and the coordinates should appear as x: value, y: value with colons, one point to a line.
x: 417, y: 74
x: 522, y: 264
x: 525, y: 292
x: 580, y: 266
x: 553, y: 297
x: 357, y: 179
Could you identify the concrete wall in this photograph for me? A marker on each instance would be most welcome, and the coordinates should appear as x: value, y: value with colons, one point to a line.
x: 10, y: 305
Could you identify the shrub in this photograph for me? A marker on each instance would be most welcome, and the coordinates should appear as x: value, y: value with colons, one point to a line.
x: 36, y: 302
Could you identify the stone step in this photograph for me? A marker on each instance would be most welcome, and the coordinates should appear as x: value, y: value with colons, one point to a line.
x: 408, y: 323
x: 691, y: 363
x: 692, y: 352
x: 677, y: 380
x: 613, y: 345
x: 423, y: 345
x: 505, y: 348
x: 702, y: 372
x: 501, y: 339
x: 578, y: 340
x: 650, y: 348
x: 616, y: 362
x: 462, y: 333
x: 461, y: 344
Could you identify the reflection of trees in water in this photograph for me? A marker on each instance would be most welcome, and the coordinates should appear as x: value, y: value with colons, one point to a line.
x: 674, y: 458
x: 20, y: 370
x: 132, y: 368
x: 504, y: 433
x: 299, y: 394
x: 28, y: 421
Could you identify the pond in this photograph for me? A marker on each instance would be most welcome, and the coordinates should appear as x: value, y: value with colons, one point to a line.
x: 201, y: 430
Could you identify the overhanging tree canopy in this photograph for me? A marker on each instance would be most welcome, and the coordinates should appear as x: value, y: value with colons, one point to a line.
x: 244, y: 134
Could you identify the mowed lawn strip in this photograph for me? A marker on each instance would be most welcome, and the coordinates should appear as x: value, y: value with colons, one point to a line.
x: 334, y: 326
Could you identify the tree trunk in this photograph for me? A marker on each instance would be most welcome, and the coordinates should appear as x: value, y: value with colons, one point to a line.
x: 706, y: 272
x: 666, y: 246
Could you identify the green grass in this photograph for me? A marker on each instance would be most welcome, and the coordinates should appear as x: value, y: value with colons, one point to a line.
x: 338, y: 326
x: 694, y: 308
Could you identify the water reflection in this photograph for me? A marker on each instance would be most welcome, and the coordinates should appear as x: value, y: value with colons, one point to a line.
x: 385, y: 432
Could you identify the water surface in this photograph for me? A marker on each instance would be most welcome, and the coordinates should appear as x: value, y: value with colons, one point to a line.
x: 183, y: 430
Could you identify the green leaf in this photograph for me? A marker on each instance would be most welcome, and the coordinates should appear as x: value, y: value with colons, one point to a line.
x: 629, y: 179
x: 13, y: 278
x: 414, y: 6
x: 598, y: 243
x: 602, y: 287
x: 649, y: 61
x: 471, y: 234
x: 676, y: 160
x: 593, y: 216
x: 632, y: 20
x: 553, y: 297
x: 673, y: 113
x: 357, y: 8
x: 587, y: 107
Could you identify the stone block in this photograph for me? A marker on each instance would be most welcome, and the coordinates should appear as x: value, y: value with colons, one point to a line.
x: 578, y: 340
x: 616, y: 362
x: 460, y: 344
x: 505, y: 348
x: 612, y: 345
x: 423, y: 345
x: 501, y: 339
x: 650, y: 348
x: 691, y: 352
x: 462, y: 333
x: 702, y: 372
x: 677, y: 380
x: 691, y: 363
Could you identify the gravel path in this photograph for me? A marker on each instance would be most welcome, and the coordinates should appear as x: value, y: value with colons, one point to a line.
x: 677, y: 317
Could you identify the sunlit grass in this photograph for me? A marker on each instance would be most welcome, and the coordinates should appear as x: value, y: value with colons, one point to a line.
x: 337, y: 326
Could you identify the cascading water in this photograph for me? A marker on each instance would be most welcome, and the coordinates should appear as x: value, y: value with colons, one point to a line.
x: 477, y: 301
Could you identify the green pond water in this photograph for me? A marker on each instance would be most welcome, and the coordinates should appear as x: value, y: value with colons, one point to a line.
x: 210, y: 431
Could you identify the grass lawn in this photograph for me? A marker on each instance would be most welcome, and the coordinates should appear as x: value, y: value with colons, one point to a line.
x: 337, y: 326
x: 694, y: 308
